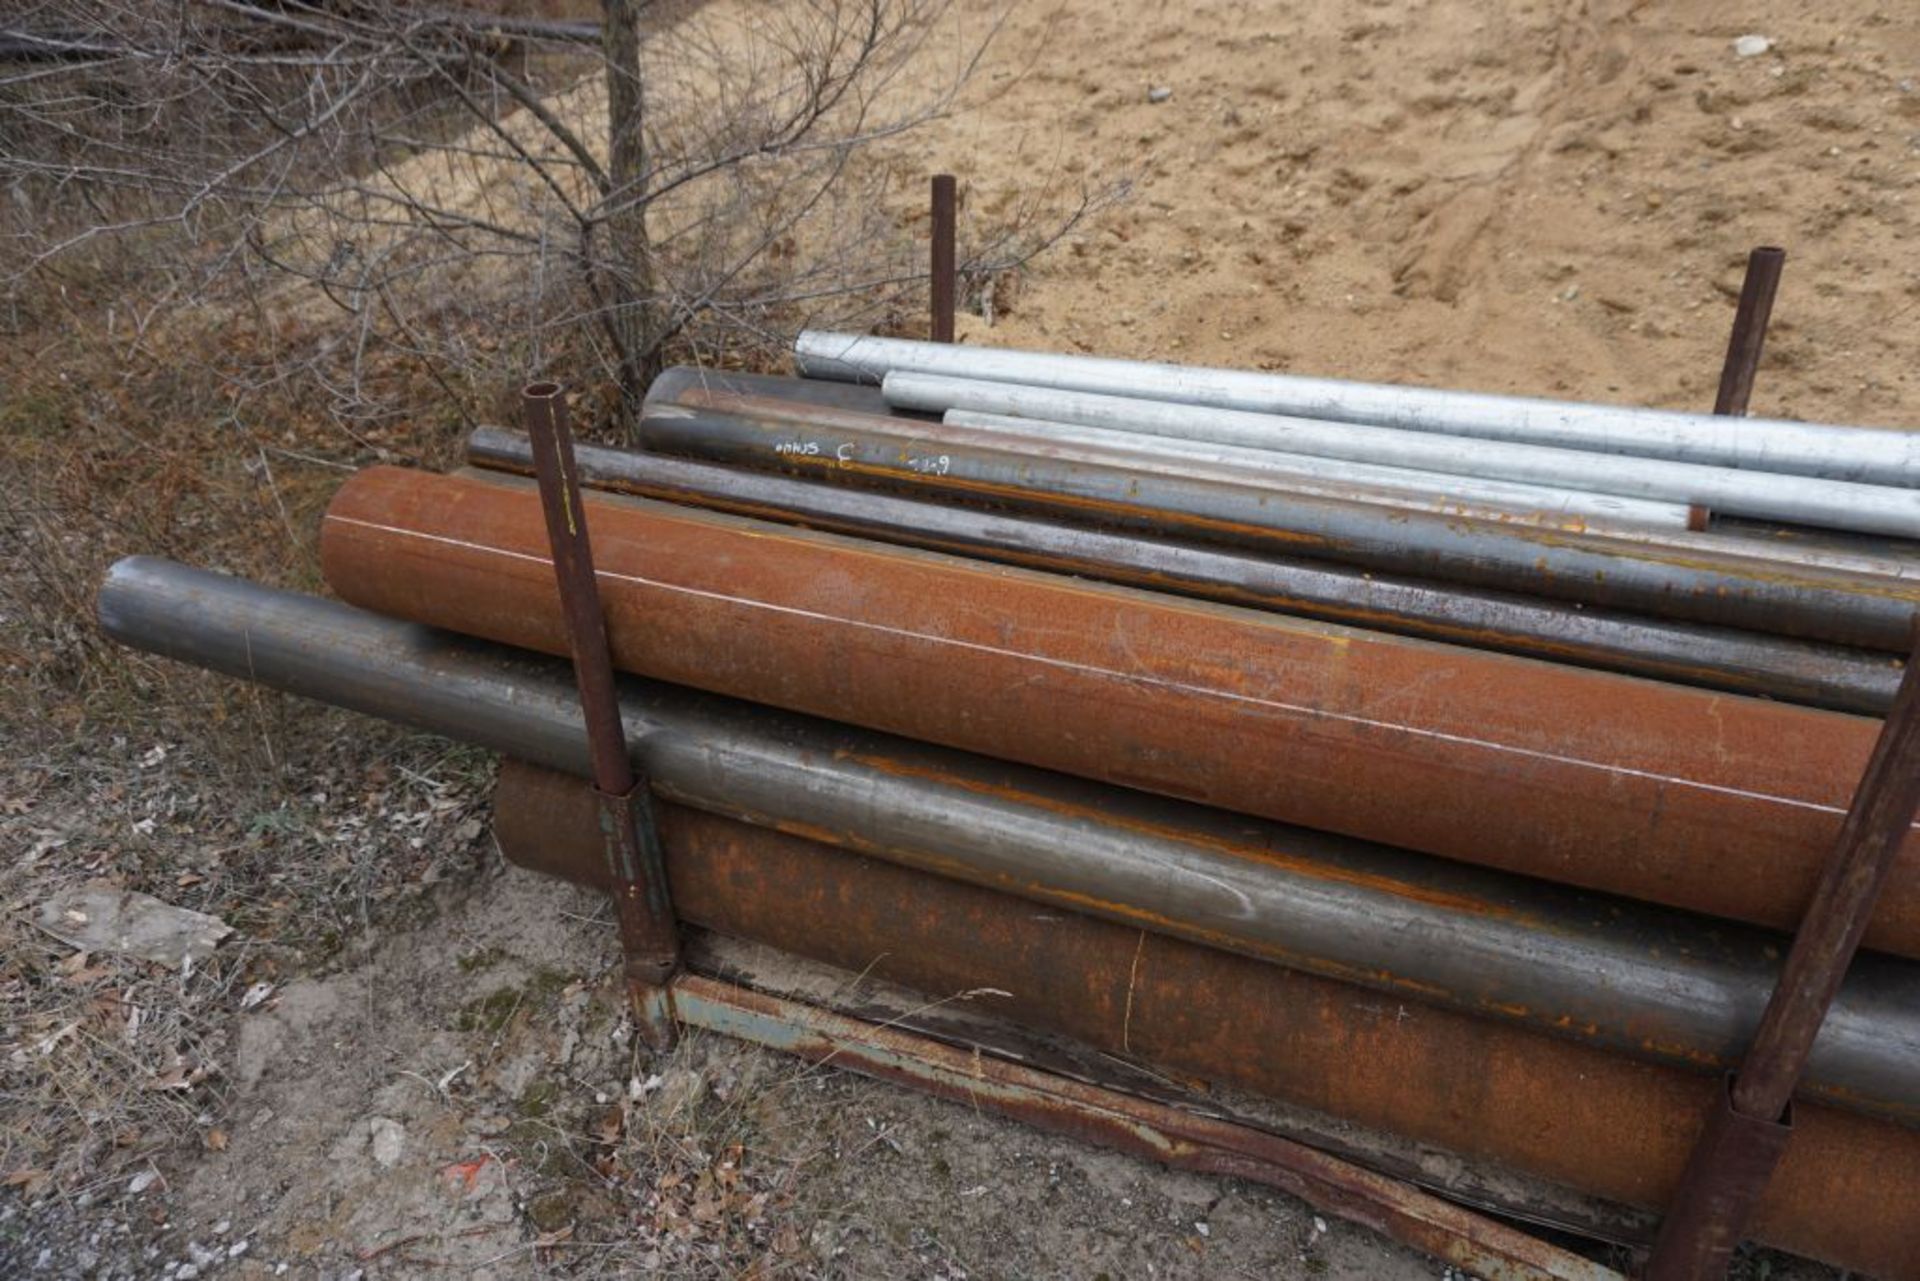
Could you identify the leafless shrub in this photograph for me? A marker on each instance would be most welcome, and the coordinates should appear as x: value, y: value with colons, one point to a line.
x: 249, y: 244
x: 398, y: 179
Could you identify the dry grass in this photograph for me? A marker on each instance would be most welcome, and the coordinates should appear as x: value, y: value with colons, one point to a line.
x: 295, y: 824
x: 132, y: 422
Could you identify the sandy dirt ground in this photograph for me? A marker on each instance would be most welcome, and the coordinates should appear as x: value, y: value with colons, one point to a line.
x: 1550, y: 199
x: 1541, y: 198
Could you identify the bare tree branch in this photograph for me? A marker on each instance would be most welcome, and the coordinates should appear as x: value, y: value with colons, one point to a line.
x: 480, y: 194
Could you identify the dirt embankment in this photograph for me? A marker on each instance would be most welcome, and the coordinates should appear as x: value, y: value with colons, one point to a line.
x: 1553, y: 199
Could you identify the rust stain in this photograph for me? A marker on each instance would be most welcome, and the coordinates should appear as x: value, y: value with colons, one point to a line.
x: 1484, y: 1090
x: 1577, y: 776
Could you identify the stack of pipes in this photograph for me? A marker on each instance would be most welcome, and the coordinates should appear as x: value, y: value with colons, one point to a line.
x: 1449, y: 764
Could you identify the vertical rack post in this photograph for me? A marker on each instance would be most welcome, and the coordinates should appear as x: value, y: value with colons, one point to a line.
x: 1749, y: 330
x: 649, y: 939
x: 940, y: 328
x: 1747, y: 1129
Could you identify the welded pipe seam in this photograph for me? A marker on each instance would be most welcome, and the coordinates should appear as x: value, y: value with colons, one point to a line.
x: 1649, y: 982
x: 1115, y: 676
x: 1296, y: 728
x: 1740, y: 662
x: 1806, y: 500
x: 1671, y: 578
x: 1870, y: 455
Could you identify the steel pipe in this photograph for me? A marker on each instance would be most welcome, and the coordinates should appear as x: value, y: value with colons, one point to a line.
x: 1172, y: 454
x: 1739, y: 662
x: 1805, y: 500
x: 676, y: 381
x: 1634, y: 787
x: 1797, y: 544
x: 1658, y: 523
x: 1486, y: 1091
x: 1868, y: 455
x: 1486, y: 1186
x: 1639, y: 980
x: 1151, y: 1131
x: 1747, y: 1131
x: 1679, y: 529
x: 1694, y: 583
x: 1273, y: 475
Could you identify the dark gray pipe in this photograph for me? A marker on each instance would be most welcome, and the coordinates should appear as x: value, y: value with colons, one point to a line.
x: 1811, y: 602
x: 676, y: 381
x: 1848, y: 680
x: 1648, y: 982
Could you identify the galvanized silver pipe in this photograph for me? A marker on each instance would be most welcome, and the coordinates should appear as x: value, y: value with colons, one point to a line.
x: 1694, y: 584
x: 1847, y: 680
x: 1870, y: 455
x: 1652, y: 983
x: 1832, y: 504
x: 1732, y: 538
x: 1290, y: 470
x: 677, y: 380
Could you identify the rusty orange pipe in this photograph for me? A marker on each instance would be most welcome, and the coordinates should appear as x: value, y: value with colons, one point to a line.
x: 1847, y: 1191
x: 1716, y: 803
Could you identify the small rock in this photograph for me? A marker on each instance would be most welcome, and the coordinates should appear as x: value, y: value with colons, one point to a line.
x: 387, y: 1140
x: 552, y: 1211
x: 223, y: 1227
x: 201, y: 1256
x: 187, y: 1272
x: 238, y: 1248
x: 128, y: 923
x: 1751, y: 46
x: 142, y: 1181
x: 1159, y: 93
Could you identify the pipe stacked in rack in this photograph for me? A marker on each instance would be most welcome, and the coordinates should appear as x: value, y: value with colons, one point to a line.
x: 1428, y: 866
